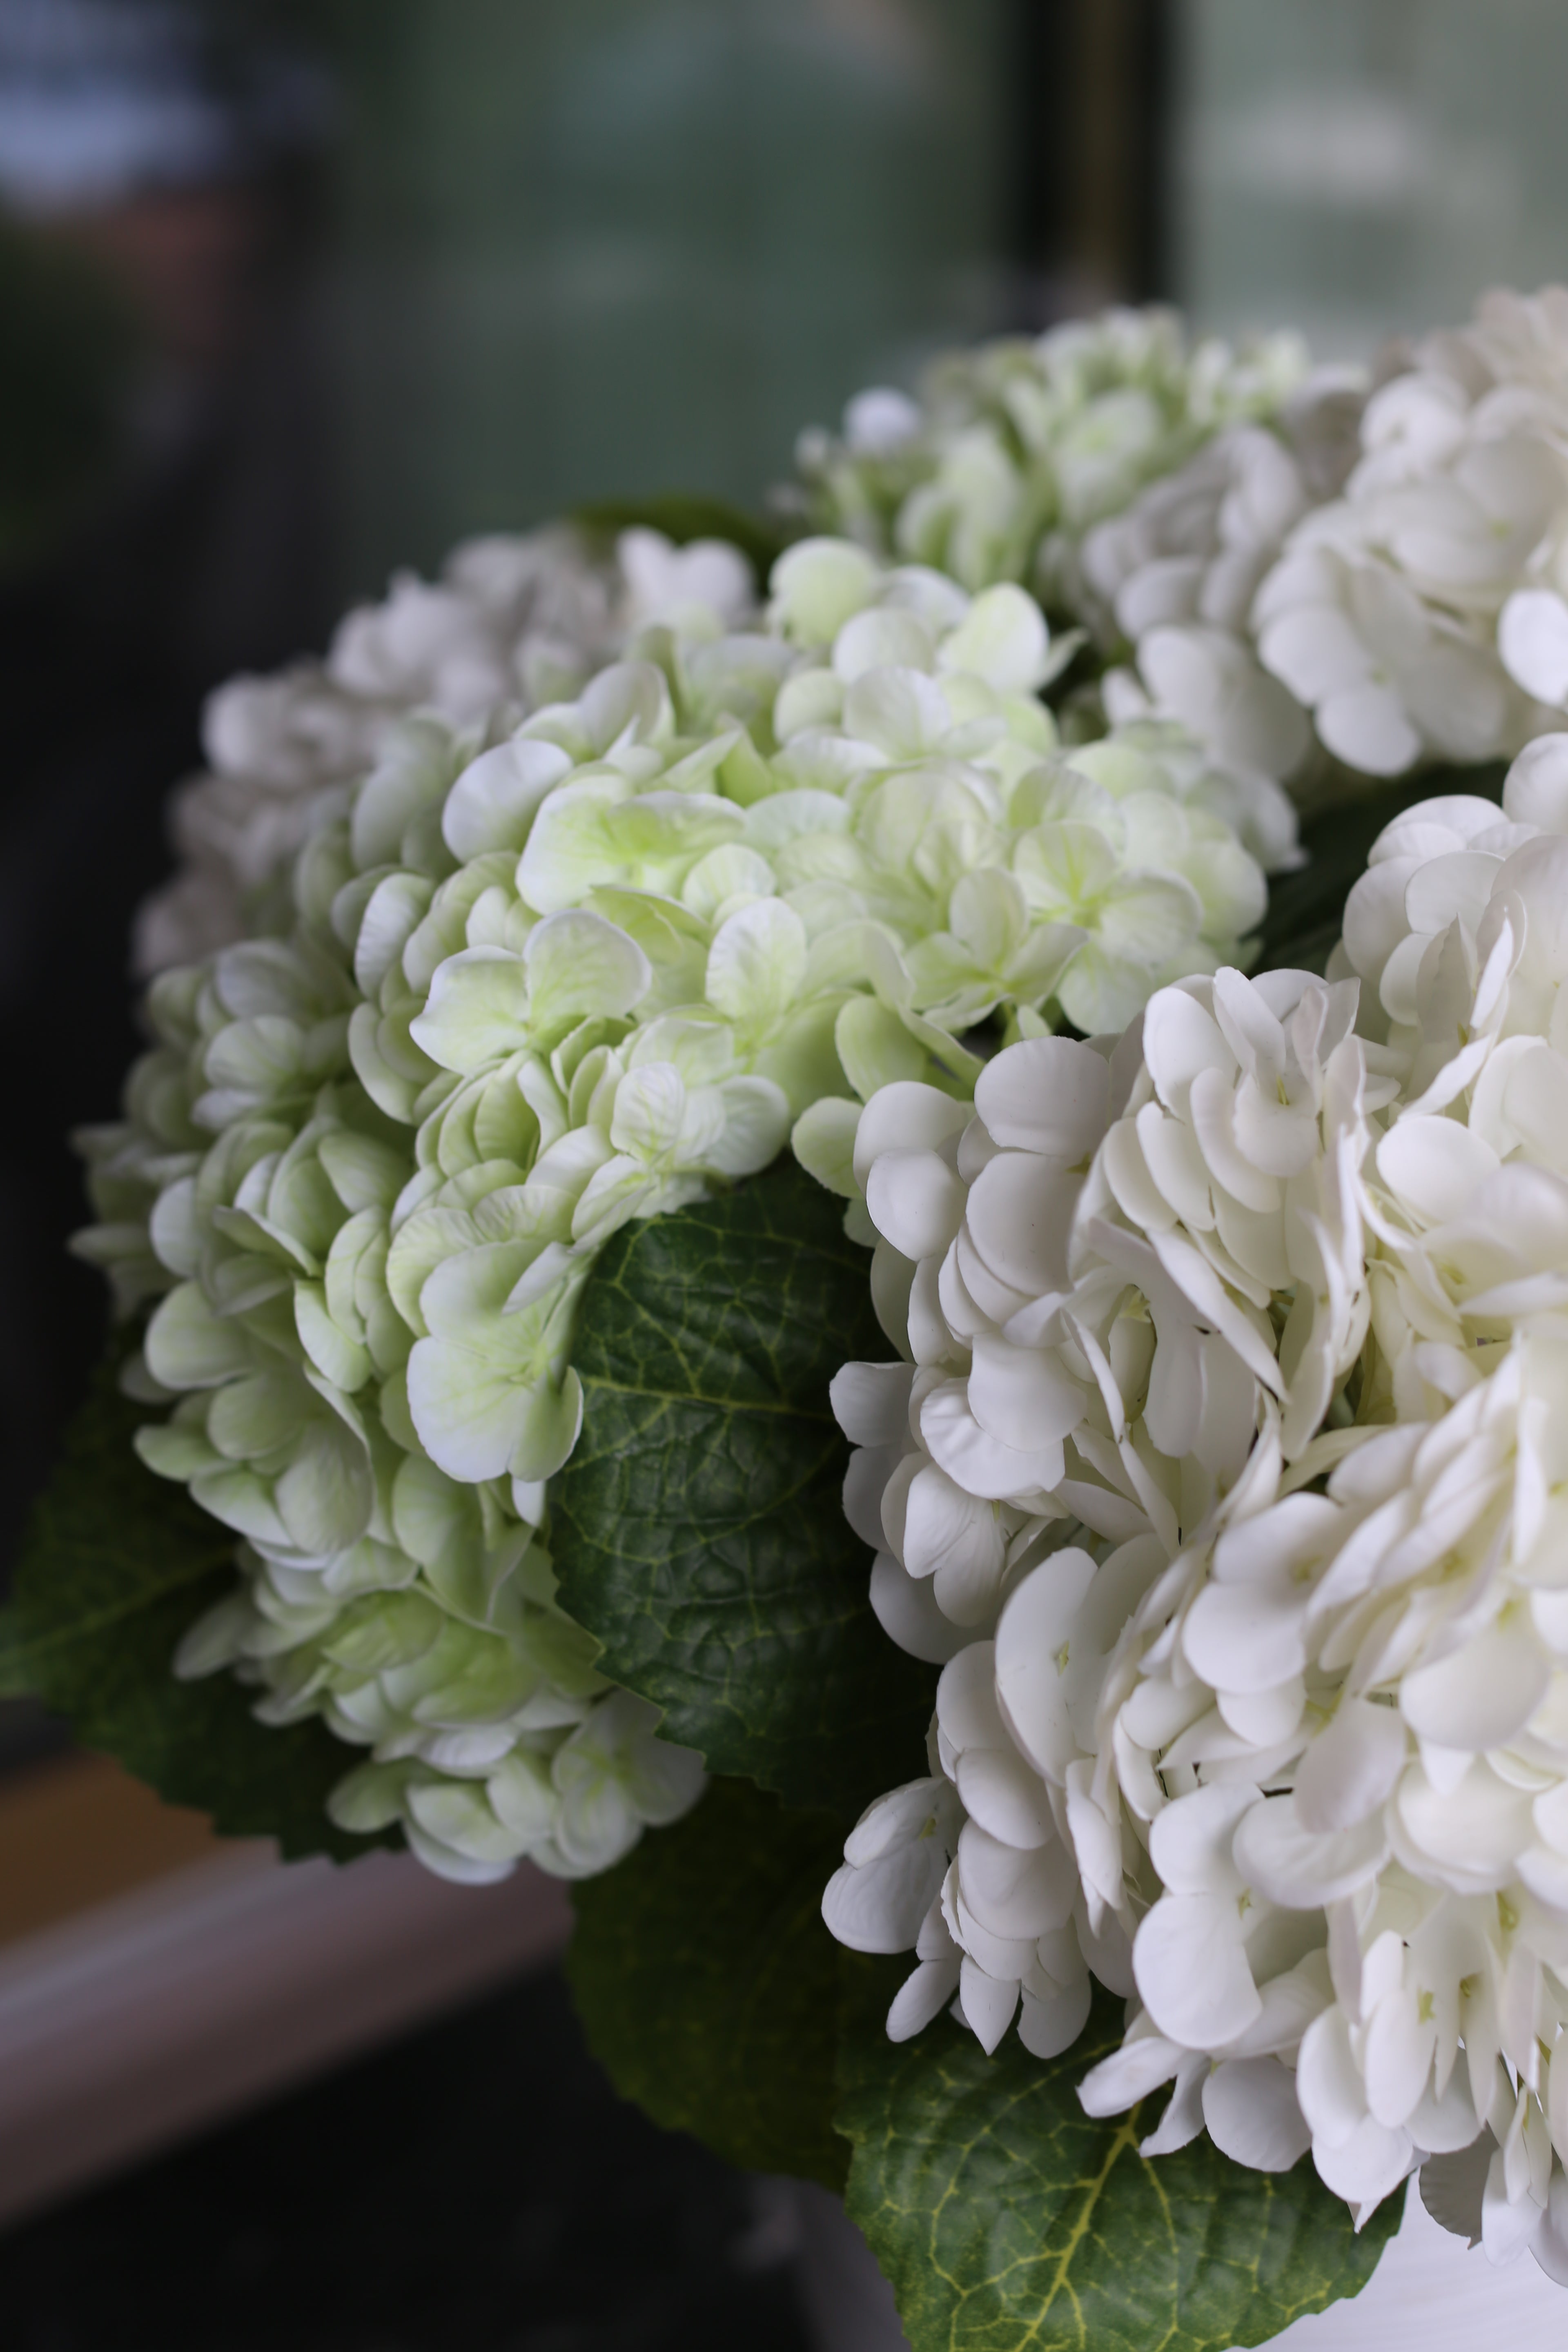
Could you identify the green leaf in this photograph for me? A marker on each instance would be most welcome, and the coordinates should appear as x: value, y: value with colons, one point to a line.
x: 683, y: 516
x: 115, y: 1566
x: 709, y: 1986
x: 1008, y: 2221
x: 698, y: 1530
x: 1305, y: 908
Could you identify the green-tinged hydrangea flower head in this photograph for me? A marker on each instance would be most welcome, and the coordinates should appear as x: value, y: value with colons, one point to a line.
x: 513, y: 622
x: 539, y: 979
x: 1017, y: 448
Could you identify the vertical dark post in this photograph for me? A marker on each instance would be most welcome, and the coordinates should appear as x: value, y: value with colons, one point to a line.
x: 1090, y: 206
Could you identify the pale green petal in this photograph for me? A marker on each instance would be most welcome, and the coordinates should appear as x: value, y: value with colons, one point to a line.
x: 1004, y: 640
x: 1065, y: 867
x: 548, y: 1430
x: 456, y: 1815
x: 579, y: 965
x: 493, y: 802
x: 650, y: 1104
x: 478, y: 1010
x: 1148, y: 919
x: 755, y: 1125
x: 756, y: 966
x: 188, y: 1347
x: 812, y: 698
x: 822, y: 1140
x: 816, y: 585
x: 875, y: 1047
x: 325, y: 1496
x: 337, y: 1356
x: 987, y: 913
x: 900, y: 713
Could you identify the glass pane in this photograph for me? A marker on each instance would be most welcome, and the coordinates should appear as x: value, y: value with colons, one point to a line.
x: 1361, y: 166
x: 607, y: 247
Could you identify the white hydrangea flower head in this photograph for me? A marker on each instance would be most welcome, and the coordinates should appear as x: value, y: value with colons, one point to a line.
x: 1123, y: 1288
x: 1309, y: 1755
x: 1017, y: 448
x: 512, y: 624
x: 538, y: 976
x: 1420, y: 614
x: 1173, y: 578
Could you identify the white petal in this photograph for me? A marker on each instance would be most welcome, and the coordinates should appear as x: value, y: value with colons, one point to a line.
x: 981, y: 1465
x: 1191, y: 1841
x: 906, y: 1115
x: 1328, y: 2081
x: 1435, y: 1165
x: 1019, y: 1216
x: 988, y: 2006
x: 916, y: 1201
x: 1294, y: 1866
x: 1046, y: 2028
x: 1532, y: 641
x: 880, y: 1908
x: 1023, y: 1396
x: 1396, y: 2058
x: 901, y: 1818
x: 1246, y: 1637
x: 1128, y: 2075
x: 871, y: 1403
x: 921, y: 1998
x: 1034, y: 1640
x: 1253, y: 2115
x: 1351, y: 1767
x: 1536, y: 790
x: 1480, y: 1695
x: 1004, y: 1798
x: 1184, y: 2117
x: 1013, y: 1895
x: 1049, y: 1094
x: 1191, y: 1970
x: 1367, y: 2166
x: 906, y: 1609
x: 1369, y: 728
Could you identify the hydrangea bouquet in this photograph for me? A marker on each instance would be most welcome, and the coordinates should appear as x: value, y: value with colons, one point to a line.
x: 857, y: 1228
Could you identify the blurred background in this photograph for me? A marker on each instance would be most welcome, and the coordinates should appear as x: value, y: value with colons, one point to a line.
x: 294, y: 292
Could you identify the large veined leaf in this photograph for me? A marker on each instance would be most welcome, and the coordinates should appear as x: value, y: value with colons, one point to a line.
x: 116, y: 1565
x: 709, y: 1986
x: 1008, y: 2221
x: 699, y: 1531
x: 1305, y: 908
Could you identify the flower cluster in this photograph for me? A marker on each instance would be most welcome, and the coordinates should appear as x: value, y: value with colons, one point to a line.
x: 1421, y: 614
x: 1172, y: 581
x: 1224, y: 1467
x: 513, y: 623
x: 1015, y: 450
x: 531, y: 980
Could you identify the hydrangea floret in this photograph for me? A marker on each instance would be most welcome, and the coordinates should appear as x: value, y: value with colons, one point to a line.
x: 1221, y: 1467
x: 1015, y: 450
x: 533, y: 977
x: 1421, y: 612
x: 513, y: 622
